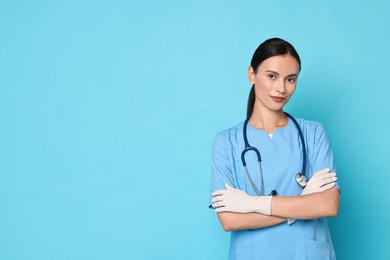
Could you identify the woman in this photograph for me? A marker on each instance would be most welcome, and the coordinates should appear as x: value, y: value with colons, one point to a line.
x: 259, y: 206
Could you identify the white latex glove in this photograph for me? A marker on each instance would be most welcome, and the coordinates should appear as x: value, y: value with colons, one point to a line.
x: 321, y: 181
x: 234, y: 200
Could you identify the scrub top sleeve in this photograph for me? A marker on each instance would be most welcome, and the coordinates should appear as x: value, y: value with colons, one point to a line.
x: 221, y: 167
x: 322, y: 152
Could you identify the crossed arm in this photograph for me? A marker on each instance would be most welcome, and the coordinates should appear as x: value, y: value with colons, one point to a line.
x: 311, y: 206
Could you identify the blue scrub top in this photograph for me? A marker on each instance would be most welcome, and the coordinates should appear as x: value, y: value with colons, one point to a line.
x: 281, y: 160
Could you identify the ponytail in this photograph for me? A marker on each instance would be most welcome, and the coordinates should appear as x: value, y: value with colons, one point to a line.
x: 251, y: 101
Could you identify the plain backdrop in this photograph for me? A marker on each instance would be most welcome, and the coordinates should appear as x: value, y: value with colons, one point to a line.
x: 108, y: 110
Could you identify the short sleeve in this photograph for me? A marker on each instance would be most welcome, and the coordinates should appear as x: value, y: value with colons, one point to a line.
x: 322, y: 155
x: 221, y: 171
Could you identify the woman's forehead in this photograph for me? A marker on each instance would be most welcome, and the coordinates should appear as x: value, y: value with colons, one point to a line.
x: 285, y: 64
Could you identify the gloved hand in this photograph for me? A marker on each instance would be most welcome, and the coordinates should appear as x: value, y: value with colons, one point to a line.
x: 321, y: 181
x: 234, y: 200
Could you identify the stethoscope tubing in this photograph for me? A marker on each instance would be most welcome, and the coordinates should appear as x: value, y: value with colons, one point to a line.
x: 248, y: 148
x: 304, y: 155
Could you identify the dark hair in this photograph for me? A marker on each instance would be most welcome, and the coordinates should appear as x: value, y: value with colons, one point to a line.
x: 269, y: 48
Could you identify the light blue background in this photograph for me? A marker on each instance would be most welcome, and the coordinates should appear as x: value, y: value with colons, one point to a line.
x: 108, y: 110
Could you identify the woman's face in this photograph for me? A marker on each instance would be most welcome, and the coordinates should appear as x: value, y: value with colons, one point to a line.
x: 275, y: 81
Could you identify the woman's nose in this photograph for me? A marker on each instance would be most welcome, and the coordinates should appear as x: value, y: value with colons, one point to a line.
x: 280, y: 86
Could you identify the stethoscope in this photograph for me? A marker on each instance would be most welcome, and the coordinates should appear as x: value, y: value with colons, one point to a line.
x: 300, y: 177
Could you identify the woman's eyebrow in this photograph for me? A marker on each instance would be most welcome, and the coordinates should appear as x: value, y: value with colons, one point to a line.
x: 271, y: 71
x: 274, y: 72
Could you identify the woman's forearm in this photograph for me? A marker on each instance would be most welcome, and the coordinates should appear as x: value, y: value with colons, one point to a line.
x: 240, y: 221
x: 316, y: 205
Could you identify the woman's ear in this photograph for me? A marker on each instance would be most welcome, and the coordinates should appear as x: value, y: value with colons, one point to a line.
x: 251, y: 75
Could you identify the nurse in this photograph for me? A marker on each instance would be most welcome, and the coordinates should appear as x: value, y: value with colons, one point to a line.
x: 262, y: 227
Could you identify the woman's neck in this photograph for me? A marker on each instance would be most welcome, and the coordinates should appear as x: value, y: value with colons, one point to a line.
x: 268, y: 120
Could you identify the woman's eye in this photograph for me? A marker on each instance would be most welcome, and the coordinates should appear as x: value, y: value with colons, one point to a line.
x: 291, y: 80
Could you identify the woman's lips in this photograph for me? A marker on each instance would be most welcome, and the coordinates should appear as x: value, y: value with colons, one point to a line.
x: 278, y: 99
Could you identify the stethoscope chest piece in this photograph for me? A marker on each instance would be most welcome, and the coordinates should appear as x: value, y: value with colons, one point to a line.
x: 301, y: 179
